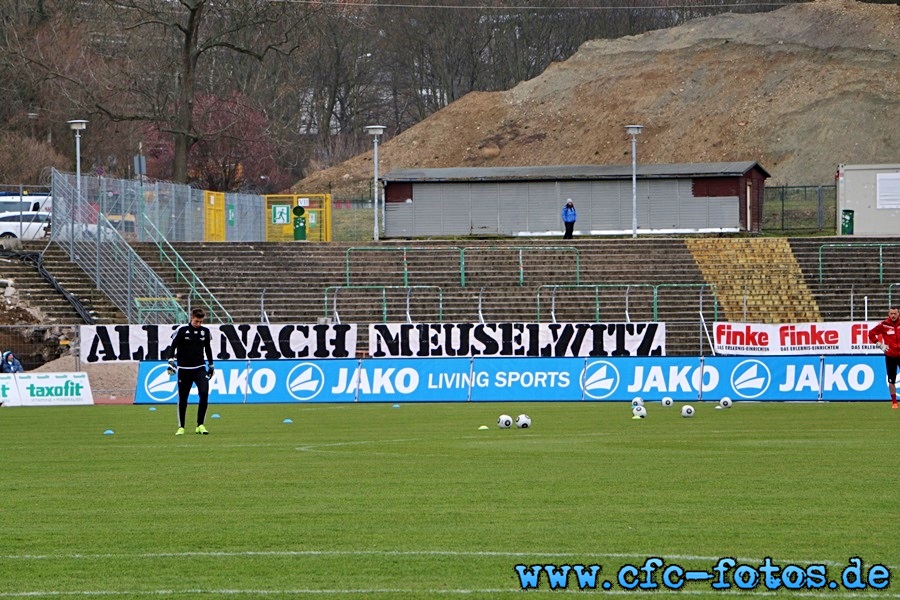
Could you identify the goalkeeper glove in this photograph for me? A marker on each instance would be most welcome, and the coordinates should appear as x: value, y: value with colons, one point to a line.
x: 171, y: 369
x: 883, y: 346
x: 210, y: 372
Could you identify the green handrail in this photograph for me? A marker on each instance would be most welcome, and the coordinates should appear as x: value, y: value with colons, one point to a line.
x: 217, y: 312
x: 520, y: 250
x: 654, y: 288
x: 404, y: 249
x: 880, y: 247
x: 462, y: 258
x: 384, y: 289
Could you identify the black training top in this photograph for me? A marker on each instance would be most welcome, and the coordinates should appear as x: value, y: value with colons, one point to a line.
x: 188, y: 346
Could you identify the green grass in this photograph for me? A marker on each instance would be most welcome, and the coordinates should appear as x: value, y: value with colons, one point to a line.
x: 353, y: 225
x: 354, y: 501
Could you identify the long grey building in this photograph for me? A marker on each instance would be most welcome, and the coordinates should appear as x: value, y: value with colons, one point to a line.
x: 527, y: 201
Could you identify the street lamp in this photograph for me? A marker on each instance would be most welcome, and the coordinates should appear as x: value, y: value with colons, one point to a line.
x: 633, y: 131
x: 375, y: 131
x: 76, y: 125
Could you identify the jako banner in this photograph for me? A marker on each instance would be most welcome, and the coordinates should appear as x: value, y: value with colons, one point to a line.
x: 482, y: 379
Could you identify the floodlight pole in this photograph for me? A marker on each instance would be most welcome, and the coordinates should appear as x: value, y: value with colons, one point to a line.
x: 375, y: 131
x: 633, y: 131
x: 76, y: 125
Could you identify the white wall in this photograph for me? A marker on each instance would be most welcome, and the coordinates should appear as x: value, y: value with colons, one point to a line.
x: 872, y: 192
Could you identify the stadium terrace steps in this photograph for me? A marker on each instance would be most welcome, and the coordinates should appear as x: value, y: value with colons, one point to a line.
x: 513, y: 280
x: 38, y: 293
x: 758, y: 279
x: 298, y: 282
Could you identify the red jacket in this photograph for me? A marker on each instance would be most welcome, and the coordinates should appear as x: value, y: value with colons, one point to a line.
x: 889, y: 332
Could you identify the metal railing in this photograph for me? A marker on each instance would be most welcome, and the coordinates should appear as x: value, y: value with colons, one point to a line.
x: 880, y: 246
x: 333, y: 290
x: 215, y: 312
x: 95, y: 245
x: 403, y: 250
x: 654, y: 289
x: 520, y: 252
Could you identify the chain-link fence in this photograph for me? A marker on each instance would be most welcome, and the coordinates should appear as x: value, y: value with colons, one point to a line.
x: 800, y: 209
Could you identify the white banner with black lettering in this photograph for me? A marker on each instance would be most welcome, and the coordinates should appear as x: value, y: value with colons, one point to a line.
x: 399, y: 340
x: 118, y: 343
x: 848, y: 337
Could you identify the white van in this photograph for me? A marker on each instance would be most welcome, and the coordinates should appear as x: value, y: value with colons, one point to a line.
x: 26, y: 203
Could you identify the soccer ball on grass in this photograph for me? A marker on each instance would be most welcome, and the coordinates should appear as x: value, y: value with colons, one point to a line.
x: 504, y: 421
x: 523, y: 421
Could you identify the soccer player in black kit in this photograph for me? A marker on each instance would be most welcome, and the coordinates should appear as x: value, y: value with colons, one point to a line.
x: 189, y: 343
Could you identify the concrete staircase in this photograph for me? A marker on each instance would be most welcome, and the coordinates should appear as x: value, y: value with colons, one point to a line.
x: 39, y: 294
x: 758, y: 279
x: 664, y: 279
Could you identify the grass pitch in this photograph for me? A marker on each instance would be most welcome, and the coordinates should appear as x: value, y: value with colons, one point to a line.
x: 353, y: 501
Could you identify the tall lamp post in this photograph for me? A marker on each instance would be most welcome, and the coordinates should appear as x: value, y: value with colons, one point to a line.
x: 633, y: 131
x: 375, y: 131
x: 76, y: 125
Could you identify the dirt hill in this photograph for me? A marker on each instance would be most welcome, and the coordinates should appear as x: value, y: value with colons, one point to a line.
x: 801, y: 90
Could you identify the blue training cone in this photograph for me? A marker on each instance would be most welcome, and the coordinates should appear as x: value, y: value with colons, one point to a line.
x: 108, y: 432
x: 215, y: 416
x: 287, y: 421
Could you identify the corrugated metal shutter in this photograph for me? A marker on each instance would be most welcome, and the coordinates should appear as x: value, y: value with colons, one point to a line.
x: 485, y: 213
x: 607, y: 200
x: 427, y: 209
x: 455, y: 208
x: 662, y: 206
x: 399, y: 220
x: 513, y: 208
x: 724, y: 212
x: 543, y: 207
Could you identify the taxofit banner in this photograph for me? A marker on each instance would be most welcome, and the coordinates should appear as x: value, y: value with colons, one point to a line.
x: 484, y: 379
x: 796, y: 338
x: 45, y: 389
x: 418, y: 340
x: 112, y: 343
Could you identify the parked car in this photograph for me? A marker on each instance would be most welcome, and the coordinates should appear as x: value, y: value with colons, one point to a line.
x: 36, y: 226
x: 24, y: 225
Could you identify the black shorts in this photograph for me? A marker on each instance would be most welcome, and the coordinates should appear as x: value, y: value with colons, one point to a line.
x: 891, y: 363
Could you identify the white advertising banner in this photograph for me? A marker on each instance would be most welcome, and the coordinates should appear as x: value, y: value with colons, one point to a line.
x: 45, y: 389
x: 847, y: 337
x: 414, y: 340
x: 127, y: 343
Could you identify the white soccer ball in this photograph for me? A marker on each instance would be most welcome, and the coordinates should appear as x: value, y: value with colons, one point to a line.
x: 667, y: 402
x: 504, y: 421
x: 725, y: 402
x: 687, y: 410
x: 638, y: 401
x: 523, y: 421
x: 639, y: 411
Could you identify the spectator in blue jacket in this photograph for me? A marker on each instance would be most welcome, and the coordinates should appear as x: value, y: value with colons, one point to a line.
x: 10, y: 363
x: 568, y: 216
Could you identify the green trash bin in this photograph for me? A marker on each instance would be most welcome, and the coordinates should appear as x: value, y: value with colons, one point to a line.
x: 299, y: 223
x: 846, y: 222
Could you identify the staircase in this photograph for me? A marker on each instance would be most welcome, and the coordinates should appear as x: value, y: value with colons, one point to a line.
x: 758, y: 279
x: 670, y: 280
x: 39, y: 294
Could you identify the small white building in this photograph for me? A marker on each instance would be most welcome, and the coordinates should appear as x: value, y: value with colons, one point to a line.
x: 868, y: 200
x: 527, y: 201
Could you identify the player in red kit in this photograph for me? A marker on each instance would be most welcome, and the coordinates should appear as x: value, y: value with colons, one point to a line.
x: 887, y: 335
